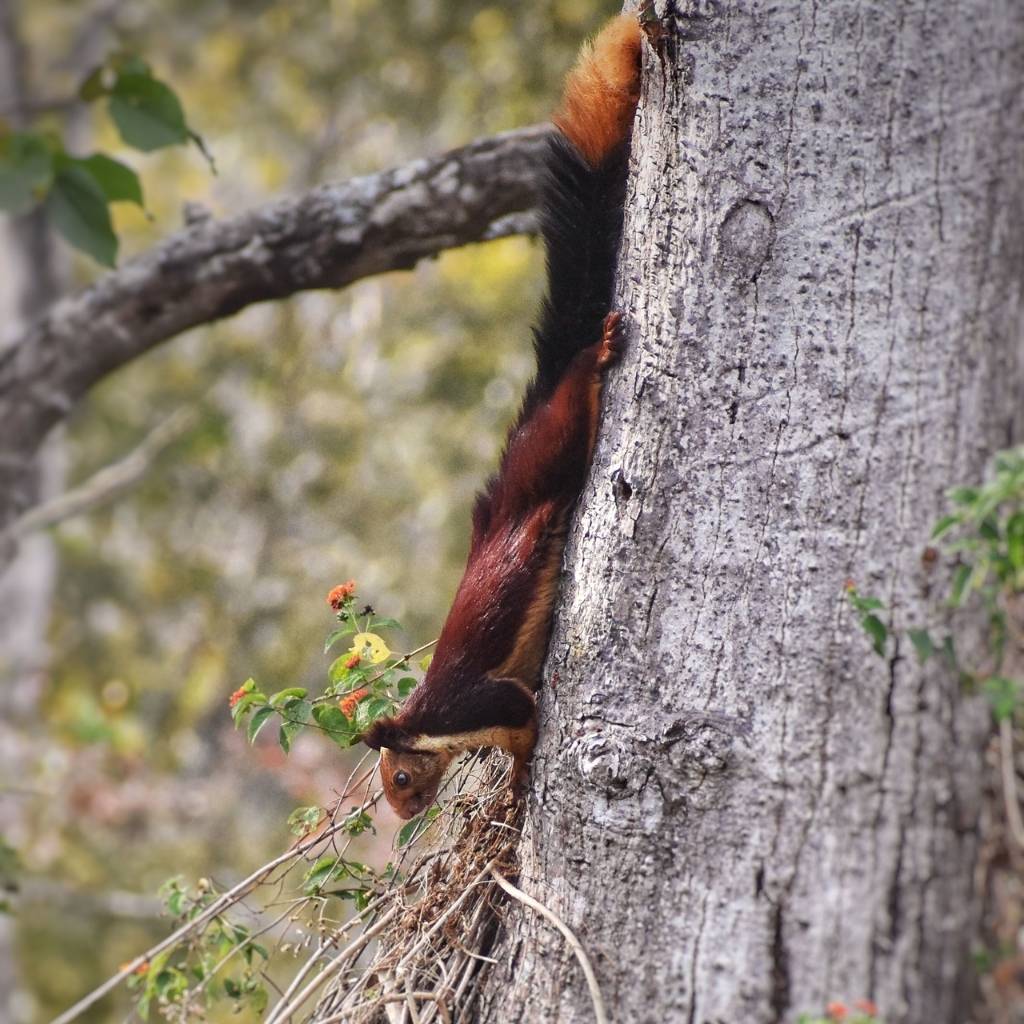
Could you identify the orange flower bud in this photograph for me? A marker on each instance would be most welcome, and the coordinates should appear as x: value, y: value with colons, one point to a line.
x: 837, y: 1011
x: 340, y: 594
x: 236, y: 696
x: 348, y: 703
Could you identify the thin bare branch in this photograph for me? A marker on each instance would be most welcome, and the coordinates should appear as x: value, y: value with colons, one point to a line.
x: 107, y: 483
x: 574, y: 944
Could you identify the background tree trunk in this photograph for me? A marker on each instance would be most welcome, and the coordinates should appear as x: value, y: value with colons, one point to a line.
x: 742, y: 810
x: 34, y: 275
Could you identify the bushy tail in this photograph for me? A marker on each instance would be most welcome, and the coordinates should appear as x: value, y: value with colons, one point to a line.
x: 581, y: 214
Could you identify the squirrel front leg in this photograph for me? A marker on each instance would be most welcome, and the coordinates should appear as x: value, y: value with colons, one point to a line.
x: 521, y: 748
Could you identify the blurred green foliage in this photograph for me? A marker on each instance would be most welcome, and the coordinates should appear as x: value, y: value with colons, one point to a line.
x: 340, y: 435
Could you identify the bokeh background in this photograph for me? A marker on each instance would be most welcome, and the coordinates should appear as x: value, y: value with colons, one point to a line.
x: 338, y: 435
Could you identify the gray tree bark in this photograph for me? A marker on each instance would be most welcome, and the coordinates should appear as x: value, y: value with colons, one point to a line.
x: 740, y: 808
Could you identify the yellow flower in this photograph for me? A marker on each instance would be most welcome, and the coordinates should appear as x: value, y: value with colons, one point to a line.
x: 371, y: 647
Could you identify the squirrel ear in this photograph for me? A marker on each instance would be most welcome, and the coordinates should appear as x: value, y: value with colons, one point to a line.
x: 384, y: 733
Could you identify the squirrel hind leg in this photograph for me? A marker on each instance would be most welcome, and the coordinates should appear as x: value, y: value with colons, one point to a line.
x: 601, y: 91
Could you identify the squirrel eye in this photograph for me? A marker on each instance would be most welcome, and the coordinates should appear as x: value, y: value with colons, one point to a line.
x: 402, y: 779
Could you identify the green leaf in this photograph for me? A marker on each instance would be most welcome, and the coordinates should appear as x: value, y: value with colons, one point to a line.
x: 944, y: 525
x: 287, y: 733
x: 1002, y: 695
x: 26, y: 169
x: 298, y: 711
x: 338, y: 670
x: 77, y: 208
x: 963, y: 495
x: 118, y: 181
x: 95, y: 84
x: 291, y: 691
x: 246, y: 704
x: 304, y: 819
x: 357, y: 822
x: 384, y: 624
x: 960, y: 578
x: 147, y: 113
x: 988, y: 529
x: 258, y: 720
x: 176, y: 903
x: 326, y: 869
x: 421, y: 822
x: 369, y: 710
x: 258, y: 999
x: 406, y: 685
x: 922, y: 641
x: 949, y: 653
x: 334, y: 723
x: 1015, y: 540
x: 875, y: 629
x: 336, y: 635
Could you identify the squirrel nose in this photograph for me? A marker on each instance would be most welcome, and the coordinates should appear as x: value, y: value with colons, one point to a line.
x: 411, y: 808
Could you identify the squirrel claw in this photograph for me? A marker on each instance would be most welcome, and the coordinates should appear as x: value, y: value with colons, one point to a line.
x: 612, y: 340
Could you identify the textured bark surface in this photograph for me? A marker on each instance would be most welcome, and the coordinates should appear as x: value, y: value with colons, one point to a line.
x: 326, y: 238
x: 741, y: 809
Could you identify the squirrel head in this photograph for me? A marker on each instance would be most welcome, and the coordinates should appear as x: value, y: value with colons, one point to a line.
x: 410, y: 777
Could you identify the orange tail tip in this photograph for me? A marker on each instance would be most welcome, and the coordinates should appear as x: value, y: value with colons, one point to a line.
x: 602, y: 89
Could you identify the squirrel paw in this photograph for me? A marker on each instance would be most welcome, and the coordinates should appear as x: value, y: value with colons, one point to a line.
x: 612, y: 340
x: 520, y: 779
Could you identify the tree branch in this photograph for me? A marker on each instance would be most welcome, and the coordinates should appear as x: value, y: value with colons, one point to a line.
x: 107, y: 482
x: 326, y: 238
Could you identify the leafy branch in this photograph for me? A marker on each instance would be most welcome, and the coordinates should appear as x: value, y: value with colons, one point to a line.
x: 363, y: 684
x: 984, y: 532
x: 77, y: 191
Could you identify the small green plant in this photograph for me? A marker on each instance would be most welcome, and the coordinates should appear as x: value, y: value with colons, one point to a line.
x: 866, y: 607
x: 984, y: 531
x: 77, y: 191
x: 191, y: 976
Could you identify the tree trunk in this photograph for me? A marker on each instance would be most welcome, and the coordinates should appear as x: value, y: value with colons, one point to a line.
x: 742, y: 810
x: 33, y: 276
